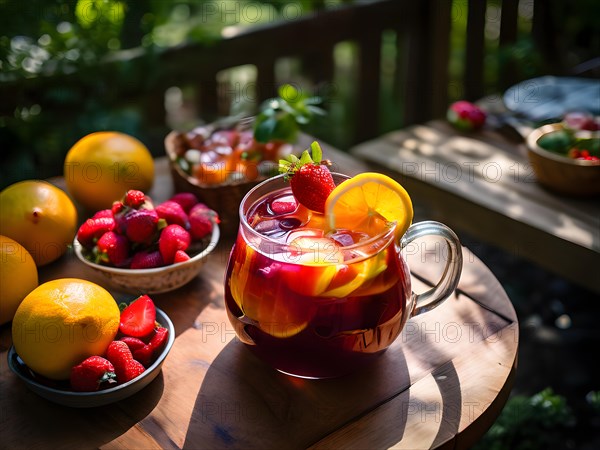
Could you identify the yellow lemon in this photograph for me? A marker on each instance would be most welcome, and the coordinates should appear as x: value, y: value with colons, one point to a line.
x: 61, y: 323
x: 367, y: 202
x: 102, y: 166
x: 40, y: 217
x: 18, y: 277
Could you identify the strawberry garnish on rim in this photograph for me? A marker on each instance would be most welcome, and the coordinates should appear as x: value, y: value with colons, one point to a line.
x: 310, y: 178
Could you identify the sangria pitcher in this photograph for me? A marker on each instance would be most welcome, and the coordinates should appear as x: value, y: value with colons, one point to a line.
x: 316, y: 296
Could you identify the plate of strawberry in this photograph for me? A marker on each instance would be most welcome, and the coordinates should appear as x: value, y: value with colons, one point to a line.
x: 132, y: 360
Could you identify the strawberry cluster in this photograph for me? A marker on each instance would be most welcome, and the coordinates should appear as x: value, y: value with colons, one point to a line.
x: 136, y: 235
x: 138, y: 344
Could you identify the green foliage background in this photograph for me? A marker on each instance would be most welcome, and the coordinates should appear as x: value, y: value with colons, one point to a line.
x: 64, y: 40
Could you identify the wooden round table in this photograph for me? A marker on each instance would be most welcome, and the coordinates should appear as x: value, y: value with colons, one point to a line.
x: 442, y: 383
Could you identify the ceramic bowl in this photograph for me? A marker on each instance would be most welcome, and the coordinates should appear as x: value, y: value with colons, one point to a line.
x: 156, y: 280
x: 562, y: 174
x: 99, y: 398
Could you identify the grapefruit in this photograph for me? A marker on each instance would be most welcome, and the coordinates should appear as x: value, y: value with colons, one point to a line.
x: 102, y: 166
x: 61, y: 323
x: 18, y: 277
x: 40, y: 217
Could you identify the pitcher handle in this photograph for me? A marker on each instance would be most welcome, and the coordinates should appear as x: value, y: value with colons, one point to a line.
x: 441, y: 291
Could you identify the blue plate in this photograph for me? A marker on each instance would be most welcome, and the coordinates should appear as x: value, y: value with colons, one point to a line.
x: 547, y: 98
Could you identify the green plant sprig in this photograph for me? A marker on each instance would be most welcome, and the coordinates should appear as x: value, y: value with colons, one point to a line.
x: 281, y: 118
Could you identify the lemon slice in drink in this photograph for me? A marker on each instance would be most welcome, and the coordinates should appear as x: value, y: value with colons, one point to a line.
x: 367, y: 202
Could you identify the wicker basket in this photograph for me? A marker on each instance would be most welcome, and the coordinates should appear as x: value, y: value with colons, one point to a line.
x: 225, y: 199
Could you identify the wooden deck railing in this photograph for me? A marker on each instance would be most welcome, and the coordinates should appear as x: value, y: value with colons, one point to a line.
x: 422, y: 28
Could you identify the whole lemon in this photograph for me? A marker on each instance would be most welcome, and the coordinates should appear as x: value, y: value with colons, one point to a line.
x: 61, y: 323
x: 102, y: 166
x: 40, y: 217
x: 18, y: 277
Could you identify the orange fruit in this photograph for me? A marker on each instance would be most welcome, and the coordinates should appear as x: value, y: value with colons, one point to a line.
x: 61, y: 323
x: 368, y: 202
x: 40, y: 217
x: 18, y: 277
x: 102, y: 166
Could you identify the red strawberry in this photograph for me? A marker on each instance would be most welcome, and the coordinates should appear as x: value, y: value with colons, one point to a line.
x: 186, y: 200
x: 172, y: 212
x: 201, y: 221
x: 181, y: 256
x: 134, y: 199
x: 140, y: 225
x: 103, y: 213
x: 201, y: 207
x: 145, y: 259
x: 113, y: 249
x: 92, y: 229
x: 133, y: 343
x: 173, y: 238
x: 117, y: 207
x: 138, y: 319
x: 91, y: 373
x: 466, y: 116
x: 147, y: 354
x: 311, y: 181
x: 126, y: 367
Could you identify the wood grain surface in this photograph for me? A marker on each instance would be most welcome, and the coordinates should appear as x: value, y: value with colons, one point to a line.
x: 483, y: 183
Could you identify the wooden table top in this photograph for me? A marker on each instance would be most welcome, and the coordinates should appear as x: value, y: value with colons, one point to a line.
x: 482, y: 183
x: 442, y: 383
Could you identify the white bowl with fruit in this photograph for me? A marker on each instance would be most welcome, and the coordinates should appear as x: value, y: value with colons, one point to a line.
x: 126, y: 354
x: 139, y: 248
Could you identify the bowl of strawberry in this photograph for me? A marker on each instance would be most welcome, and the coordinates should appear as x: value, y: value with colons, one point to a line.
x: 132, y: 360
x: 142, y: 248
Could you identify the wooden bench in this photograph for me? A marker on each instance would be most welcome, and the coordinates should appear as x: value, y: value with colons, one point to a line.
x: 483, y: 183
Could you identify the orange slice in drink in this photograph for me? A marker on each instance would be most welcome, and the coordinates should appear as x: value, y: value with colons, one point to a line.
x: 319, y: 259
x: 367, y: 203
x: 349, y: 278
x: 278, y: 315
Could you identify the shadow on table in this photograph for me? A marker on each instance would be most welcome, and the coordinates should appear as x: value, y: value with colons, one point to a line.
x: 63, y: 426
x: 243, y: 403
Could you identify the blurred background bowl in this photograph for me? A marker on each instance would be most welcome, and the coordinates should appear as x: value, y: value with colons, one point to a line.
x: 156, y: 280
x: 103, y: 397
x: 225, y: 199
x: 562, y: 174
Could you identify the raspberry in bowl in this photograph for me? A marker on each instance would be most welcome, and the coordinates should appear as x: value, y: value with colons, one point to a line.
x: 138, y: 247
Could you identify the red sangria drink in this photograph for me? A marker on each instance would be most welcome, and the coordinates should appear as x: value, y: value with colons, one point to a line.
x: 318, y: 296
